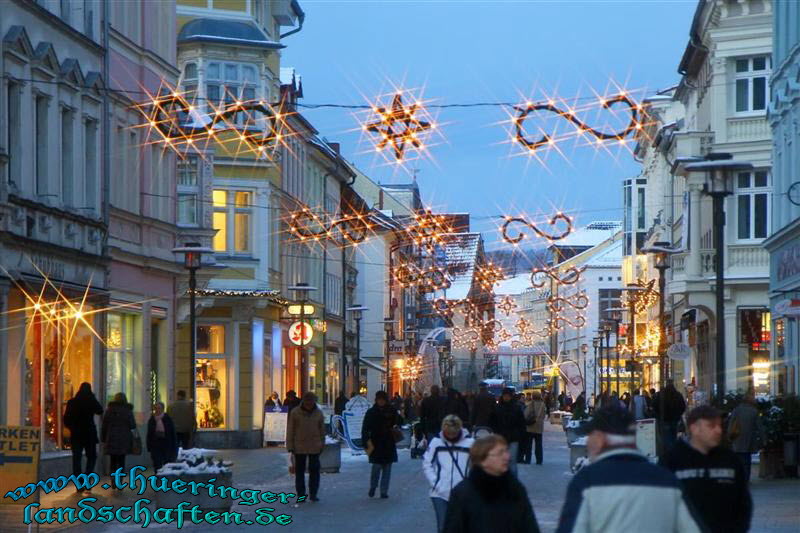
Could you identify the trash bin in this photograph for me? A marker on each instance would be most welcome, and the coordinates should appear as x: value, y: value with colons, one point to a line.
x: 330, y: 460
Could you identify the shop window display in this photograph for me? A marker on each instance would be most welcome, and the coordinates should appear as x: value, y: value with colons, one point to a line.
x: 122, y: 373
x: 58, y: 358
x: 211, y: 377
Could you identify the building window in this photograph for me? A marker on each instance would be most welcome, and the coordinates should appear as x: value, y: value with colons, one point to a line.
x: 123, y: 371
x: 40, y: 136
x: 752, y: 205
x: 190, y: 81
x: 232, y: 219
x: 212, y: 377
x: 752, y: 89
x: 227, y: 83
x: 90, y: 165
x: 13, y: 102
x: 608, y: 298
x: 188, y: 190
x: 58, y: 358
x: 67, y: 158
x: 333, y: 294
x: 754, y: 329
x: 780, y: 337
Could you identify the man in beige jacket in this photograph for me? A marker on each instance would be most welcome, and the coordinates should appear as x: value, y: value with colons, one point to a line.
x: 305, y: 439
x: 535, y: 411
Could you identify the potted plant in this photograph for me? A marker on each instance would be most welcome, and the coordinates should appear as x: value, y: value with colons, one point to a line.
x: 197, y: 465
x: 791, y: 434
x: 771, y: 457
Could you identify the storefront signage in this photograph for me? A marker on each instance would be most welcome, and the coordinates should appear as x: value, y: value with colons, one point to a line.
x: 396, y: 346
x: 49, y: 266
x: 788, y: 308
x: 301, y: 333
x: 679, y: 351
x: 19, y: 458
x: 646, y: 437
x: 275, y: 426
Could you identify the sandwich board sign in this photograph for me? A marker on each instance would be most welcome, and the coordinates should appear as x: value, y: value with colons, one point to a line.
x: 19, y: 458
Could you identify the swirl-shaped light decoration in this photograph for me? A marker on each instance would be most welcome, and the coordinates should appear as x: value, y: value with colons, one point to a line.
x: 558, y: 304
x: 466, y: 337
x: 561, y: 322
x: 307, y: 225
x: 554, y: 220
x: 428, y: 229
x: 425, y: 279
x: 167, y: 114
x: 570, y: 276
x: 545, y: 140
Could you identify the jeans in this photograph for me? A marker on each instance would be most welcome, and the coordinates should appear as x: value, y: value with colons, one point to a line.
x: 77, y: 457
x: 300, y: 473
x: 115, y: 462
x: 537, y: 438
x: 747, y: 462
x: 513, y: 450
x: 525, y: 448
x: 669, y: 435
x: 440, y: 508
x: 384, y: 472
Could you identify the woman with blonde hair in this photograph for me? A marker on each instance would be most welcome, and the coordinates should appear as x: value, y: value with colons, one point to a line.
x: 490, y: 498
x: 446, y: 464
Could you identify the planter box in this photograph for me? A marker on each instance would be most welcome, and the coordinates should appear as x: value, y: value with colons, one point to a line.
x: 171, y: 499
x: 330, y: 460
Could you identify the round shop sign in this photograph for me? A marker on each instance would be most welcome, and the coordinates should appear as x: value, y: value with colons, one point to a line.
x: 301, y: 333
x: 679, y: 351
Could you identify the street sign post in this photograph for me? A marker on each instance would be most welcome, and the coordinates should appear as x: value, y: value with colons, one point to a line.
x: 19, y: 458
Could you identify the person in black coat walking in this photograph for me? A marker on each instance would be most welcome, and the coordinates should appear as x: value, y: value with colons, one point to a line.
x: 79, y: 419
x: 490, y: 498
x: 378, y: 438
x: 431, y: 413
x: 508, y: 420
x: 669, y: 406
x: 291, y: 401
x: 116, y: 431
x: 482, y: 408
x: 162, y: 443
x: 455, y: 404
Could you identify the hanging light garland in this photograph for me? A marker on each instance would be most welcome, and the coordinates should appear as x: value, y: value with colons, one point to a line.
x: 489, y: 275
x: 520, y: 235
x: 507, y: 305
x: 428, y: 279
x: 428, y: 230
x: 307, y: 225
x: 643, y: 299
x: 558, y: 304
x: 570, y: 276
x: 411, y: 368
x: 569, y: 115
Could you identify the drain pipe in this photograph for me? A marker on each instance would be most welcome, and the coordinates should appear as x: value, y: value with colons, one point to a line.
x: 301, y: 17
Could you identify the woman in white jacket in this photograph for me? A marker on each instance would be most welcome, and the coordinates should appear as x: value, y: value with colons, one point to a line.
x: 446, y: 463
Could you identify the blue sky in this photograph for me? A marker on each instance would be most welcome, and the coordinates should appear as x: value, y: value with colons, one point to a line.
x: 461, y: 52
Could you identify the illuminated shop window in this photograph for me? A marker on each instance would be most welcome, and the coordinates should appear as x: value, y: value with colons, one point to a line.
x: 212, y: 377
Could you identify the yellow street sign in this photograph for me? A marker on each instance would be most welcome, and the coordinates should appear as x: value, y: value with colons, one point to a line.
x: 19, y: 458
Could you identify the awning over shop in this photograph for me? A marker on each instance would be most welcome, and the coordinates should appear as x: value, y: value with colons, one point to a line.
x: 372, y: 365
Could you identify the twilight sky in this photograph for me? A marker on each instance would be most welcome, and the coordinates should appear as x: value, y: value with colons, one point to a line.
x: 350, y: 52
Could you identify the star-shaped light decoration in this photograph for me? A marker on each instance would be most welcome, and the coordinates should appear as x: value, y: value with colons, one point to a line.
x: 399, y: 126
x: 507, y: 305
x: 642, y: 300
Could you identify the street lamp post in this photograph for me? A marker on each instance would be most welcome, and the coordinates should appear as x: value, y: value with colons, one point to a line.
x: 584, y: 350
x: 595, y: 343
x: 607, y: 330
x: 301, y: 291
x: 615, y: 317
x: 357, y: 311
x: 718, y: 168
x: 192, y: 261
x: 661, y: 251
x: 388, y: 327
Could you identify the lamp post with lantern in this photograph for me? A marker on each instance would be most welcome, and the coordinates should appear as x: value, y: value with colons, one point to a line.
x: 661, y: 251
x: 584, y: 350
x: 718, y: 169
x: 301, y: 291
x: 357, y: 311
x: 192, y: 261
x: 596, y: 344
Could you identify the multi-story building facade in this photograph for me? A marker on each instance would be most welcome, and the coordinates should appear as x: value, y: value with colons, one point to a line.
x: 54, y: 125
x: 228, y: 52
x: 719, y: 106
x: 784, y: 241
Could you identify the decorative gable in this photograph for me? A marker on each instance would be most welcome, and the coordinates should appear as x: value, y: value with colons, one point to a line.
x: 70, y: 72
x: 45, y: 57
x: 94, y: 82
x: 16, y: 40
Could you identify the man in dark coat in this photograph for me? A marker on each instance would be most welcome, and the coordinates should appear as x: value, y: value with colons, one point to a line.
x: 712, y: 476
x: 455, y: 404
x: 79, y: 419
x: 162, y: 443
x: 291, y: 401
x: 669, y: 406
x: 116, y: 431
x: 183, y: 417
x: 508, y: 420
x: 430, y: 413
x: 340, y: 404
x: 482, y: 408
x: 378, y: 439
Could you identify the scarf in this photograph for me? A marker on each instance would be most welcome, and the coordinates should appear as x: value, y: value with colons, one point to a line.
x: 494, y: 487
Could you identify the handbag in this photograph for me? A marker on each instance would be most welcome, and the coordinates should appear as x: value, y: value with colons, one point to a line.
x: 136, y: 442
x: 397, y: 434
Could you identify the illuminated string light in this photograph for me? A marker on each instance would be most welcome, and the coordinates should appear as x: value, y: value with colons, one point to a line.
x: 554, y: 220
x: 546, y: 140
x: 488, y: 275
x: 558, y: 304
x: 398, y: 126
x: 425, y: 279
x: 571, y: 276
x: 507, y: 305
x: 305, y: 224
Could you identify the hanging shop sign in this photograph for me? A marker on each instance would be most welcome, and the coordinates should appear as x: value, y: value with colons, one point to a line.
x: 788, y: 307
x: 301, y: 333
x: 679, y: 351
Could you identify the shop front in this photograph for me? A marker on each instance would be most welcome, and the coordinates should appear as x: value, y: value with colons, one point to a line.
x: 784, y: 352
